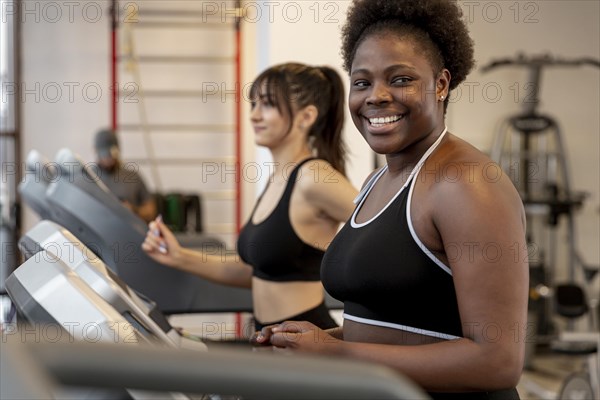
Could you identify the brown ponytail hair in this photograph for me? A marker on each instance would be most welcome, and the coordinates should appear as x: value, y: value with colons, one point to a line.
x: 293, y: 86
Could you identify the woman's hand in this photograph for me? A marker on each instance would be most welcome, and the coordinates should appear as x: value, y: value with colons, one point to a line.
x: 262, y: 337
x: 298, y: 335
x: 161, y: 244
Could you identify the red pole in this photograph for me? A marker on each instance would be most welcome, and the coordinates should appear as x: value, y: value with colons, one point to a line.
x: 113, y: 66
x: 238, y: 121
x: 238, y: 141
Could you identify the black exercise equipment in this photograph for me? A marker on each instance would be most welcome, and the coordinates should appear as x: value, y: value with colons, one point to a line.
x: 532, y: 142
x: 79, y: 202
x: 530, y: 149
x: 220, y: 371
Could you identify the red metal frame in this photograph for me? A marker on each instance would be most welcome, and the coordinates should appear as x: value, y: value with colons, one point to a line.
x: 113, y: 66
x: 238, y: 110
x: 238, y: 142
x: 238, y: 124
x: 238, y: 100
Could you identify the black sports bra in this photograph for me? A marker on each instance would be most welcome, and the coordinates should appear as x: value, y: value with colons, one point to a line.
x: 386, y: 276
x: 273, y: 248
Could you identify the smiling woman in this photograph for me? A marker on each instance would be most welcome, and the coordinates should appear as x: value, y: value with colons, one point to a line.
x: 387, y: 69
x: 409, y: 302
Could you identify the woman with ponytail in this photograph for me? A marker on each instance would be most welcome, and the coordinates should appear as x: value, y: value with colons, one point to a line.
x: 297, y: 112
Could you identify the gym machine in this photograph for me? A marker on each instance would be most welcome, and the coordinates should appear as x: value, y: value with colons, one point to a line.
x: 529, y: 147
x: 63, y: 289
x: 39, y: 172
x: 77, y: 200
x: 140, y: 312
x: 34, y: 369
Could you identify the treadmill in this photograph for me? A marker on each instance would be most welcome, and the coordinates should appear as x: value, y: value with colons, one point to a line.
x: 81, y: 203
x: 139, y: 311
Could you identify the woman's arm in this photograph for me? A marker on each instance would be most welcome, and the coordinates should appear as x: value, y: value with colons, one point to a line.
x: 226, y: 269
x: 336, y: 333
x: 328, y: 190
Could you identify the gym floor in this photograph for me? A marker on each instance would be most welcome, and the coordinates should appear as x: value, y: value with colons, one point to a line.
x: 543, y: 380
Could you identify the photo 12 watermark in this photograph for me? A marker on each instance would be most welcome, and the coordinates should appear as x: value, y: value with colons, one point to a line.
x: 205, y: 12
x: 70, y: 332
x: 71, y: 12
x: 65, y: 92
x: 273, y: 11
x: 517, y: 12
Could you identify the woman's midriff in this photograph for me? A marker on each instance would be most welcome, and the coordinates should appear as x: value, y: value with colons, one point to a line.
x: 276, y: 301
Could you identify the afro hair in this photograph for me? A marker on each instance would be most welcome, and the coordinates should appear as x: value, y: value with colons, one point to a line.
x: 438, y: 20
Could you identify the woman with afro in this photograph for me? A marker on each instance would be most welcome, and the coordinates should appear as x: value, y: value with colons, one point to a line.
x: 432, y: 265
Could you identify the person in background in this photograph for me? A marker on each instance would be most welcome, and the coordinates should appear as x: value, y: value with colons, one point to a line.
x: 297, y: 112
x: 124, y: 181
x: 432, y: 266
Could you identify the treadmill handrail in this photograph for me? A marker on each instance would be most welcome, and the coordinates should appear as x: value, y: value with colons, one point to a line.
x: 221, y: 371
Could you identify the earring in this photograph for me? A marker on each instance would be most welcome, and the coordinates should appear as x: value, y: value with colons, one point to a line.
x: 441, y: 98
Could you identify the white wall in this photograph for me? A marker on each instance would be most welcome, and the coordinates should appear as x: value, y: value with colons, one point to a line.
x: 76, y: 50
x: 60, y: 53
x: 63, y: 52
x: 568, y: 29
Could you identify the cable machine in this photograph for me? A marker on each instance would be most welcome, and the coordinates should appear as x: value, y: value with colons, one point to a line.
x: 529, y: 147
